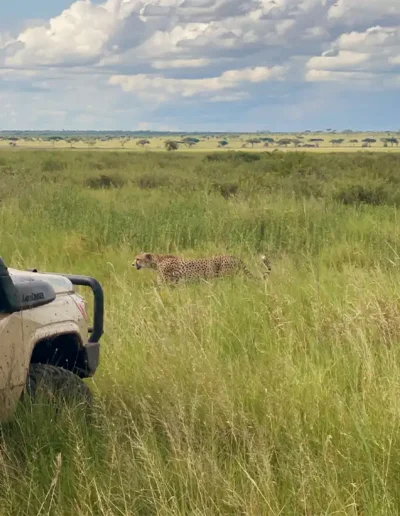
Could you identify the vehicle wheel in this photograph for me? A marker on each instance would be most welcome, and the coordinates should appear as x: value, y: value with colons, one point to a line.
x: 56, y: 384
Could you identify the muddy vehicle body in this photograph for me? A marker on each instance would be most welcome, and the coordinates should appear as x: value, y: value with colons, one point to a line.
x: 45, y: 334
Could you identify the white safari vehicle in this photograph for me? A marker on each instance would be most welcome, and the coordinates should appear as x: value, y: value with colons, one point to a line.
x: 45, y: 340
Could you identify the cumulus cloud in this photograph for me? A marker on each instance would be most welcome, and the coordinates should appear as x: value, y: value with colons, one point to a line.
x: 5, y: 40
x: 342, y: 59
x: 162, y: 88
x: 132, y: 31
x: 328, y: 75
x: 368, y: 56
x: 358, y: 12
x: 79, y: 34
x: 180, y: 63
x: 216, y: 51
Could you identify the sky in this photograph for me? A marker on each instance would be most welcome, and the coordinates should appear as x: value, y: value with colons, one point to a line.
x: 200, y: 65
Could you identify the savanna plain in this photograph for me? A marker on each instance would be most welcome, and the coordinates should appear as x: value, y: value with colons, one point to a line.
x: 229, y: 397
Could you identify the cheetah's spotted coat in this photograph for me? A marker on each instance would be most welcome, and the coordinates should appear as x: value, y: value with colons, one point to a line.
x: 172, y: 269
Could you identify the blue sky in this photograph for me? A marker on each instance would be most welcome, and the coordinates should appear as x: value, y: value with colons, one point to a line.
x: 198, y: 65
x: 21, y: 9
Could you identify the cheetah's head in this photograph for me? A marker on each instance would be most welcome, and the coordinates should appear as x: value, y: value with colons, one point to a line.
x: 145, y: 261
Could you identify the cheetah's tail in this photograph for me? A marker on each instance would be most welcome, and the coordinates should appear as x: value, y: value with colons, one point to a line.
x: 267, y: 264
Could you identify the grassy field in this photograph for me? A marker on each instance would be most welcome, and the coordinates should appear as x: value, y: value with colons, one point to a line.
x: 237, y: 397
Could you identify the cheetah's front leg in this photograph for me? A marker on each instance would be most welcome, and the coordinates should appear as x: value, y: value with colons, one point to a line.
x: 163, y: 280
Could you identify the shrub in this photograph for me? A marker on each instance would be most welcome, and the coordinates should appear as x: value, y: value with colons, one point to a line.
x: 104, y: 181
x: 226, y: 189
x: 97, y: 165
x: 150, y: 181
x: 216, y: 156
x: 238, y: 157
x: 53, y: 164
x: 374, y: 194
x: 246, y: 157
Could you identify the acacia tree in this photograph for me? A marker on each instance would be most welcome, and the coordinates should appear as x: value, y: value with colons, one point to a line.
x: 171, y: 145
x: 368, y: 141
x: 337, y: 141
x: 222, y: 143
x: 142, y: 143
x: 252, y: 141
x: 317, y: 141
x: 189, y: 142
x: 72, y: 140
x: 284, y: 142
x: 54, y: 139
x: 392, y: 141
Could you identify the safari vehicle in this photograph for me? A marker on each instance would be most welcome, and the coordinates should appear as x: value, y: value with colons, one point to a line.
x: 46, y: 345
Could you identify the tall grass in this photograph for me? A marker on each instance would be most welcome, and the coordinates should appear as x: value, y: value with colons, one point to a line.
x: 233, y: 397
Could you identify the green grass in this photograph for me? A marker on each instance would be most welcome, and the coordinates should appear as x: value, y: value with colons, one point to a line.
x: 234, y: 397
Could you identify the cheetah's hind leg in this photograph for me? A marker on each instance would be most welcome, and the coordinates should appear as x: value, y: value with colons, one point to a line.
x: 245, y: 270
x: 267, y: 265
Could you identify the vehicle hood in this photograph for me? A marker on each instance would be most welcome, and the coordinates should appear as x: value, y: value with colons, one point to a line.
x: 60, y: 284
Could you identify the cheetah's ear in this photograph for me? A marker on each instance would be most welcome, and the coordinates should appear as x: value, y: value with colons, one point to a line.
x: 148, y: 256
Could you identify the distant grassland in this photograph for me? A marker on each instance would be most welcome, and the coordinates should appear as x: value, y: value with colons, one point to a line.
x: 211, y: 142
x: 229, y: 397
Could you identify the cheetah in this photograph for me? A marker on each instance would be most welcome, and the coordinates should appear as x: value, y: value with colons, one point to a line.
x: 171, y: 269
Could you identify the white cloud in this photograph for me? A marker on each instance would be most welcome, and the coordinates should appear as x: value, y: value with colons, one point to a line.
x: 367, y: 55
x: 5, y: 40
x: 164, y: 88
x: 343, y: 59
x: 369, y: 39
x: 125, y: 33
x: 357, y: 11
x: 180, y: 63
x: 76, y: 35
x: 328, y: 75
x: 118, y: 51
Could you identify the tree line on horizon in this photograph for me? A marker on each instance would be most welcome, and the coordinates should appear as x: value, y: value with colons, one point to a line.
x: 189, y: 142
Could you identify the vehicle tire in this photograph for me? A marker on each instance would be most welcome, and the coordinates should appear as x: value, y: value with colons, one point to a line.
x: 57, y: 384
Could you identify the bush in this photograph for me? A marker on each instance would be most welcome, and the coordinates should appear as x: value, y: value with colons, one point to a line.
x: 97, y: 165
x: 238, y: 157
x: 226, y: 189
x: 105, y: 181
x: 373, y: 194
x: 246, y: 157
x: 150, y: 181
x: 53, y: 164
x: 217, y: 157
